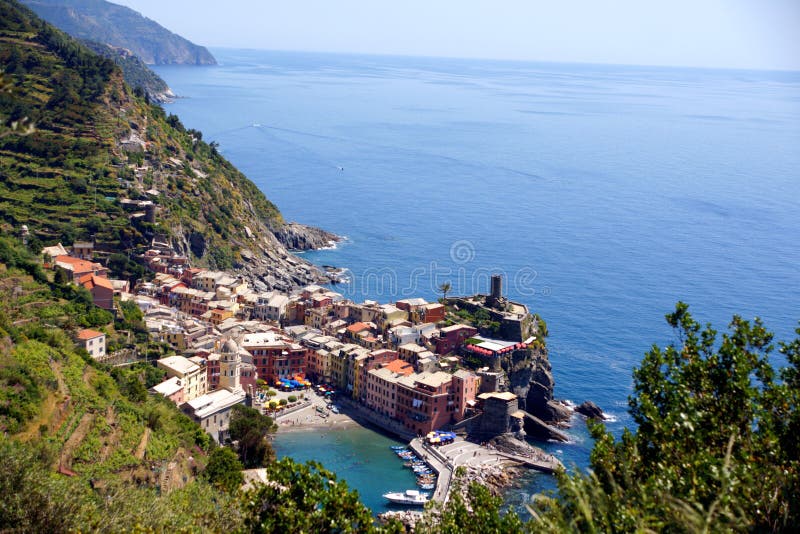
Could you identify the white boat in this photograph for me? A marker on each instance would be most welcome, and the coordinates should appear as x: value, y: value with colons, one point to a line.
x: 412, y: 497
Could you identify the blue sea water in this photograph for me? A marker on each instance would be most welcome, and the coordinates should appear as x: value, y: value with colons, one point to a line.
x: 605, y: 194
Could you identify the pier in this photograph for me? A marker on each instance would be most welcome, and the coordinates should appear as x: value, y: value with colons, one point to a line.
x: 446, y: 458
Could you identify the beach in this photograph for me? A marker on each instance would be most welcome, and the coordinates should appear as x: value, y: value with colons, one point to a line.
x: 311, y: 418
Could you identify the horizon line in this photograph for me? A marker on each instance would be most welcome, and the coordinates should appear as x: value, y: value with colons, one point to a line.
x: 508, y: 60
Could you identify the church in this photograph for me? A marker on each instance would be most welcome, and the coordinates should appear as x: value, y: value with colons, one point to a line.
x: 212, y: 411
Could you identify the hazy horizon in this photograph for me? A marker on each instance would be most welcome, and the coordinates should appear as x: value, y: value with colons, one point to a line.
x: 727, y: 34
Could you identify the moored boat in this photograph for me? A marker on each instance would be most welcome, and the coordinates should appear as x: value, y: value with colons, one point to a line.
x: 410, y: 497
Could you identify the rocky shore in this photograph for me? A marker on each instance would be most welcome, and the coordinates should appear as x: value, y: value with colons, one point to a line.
x: 494, y: 477
x: 299, y: 237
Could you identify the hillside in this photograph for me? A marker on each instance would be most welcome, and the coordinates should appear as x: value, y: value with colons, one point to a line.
x: 122, y: 27
x: 89, y: 447
x: 76, y: 142
x: 134, y: 71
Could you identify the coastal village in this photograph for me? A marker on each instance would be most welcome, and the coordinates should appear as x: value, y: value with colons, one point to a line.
x: 405, y: 367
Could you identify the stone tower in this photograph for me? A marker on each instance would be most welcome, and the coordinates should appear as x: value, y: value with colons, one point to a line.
x: 495, y: 297
x: 229, y: 366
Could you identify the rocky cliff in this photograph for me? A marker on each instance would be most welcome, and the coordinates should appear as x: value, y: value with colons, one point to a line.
x: 81, y: 150
x: 530, y: 377
x: 297, y: 236
x: 135, y: 72
x: 119, y: 26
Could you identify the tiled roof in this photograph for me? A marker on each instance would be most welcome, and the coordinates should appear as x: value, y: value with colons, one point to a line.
x: 89, y: 334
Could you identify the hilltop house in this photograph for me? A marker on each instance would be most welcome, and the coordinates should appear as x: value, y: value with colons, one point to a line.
x: 94, y: 342
x: 102, y: 290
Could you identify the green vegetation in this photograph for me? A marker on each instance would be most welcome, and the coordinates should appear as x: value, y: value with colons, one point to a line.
x: 445, y: 288
x: 249, y: 429
x: 306, y: 498
x: 123, y: 27
x: 479, y: 512
x: 715, y: 448
x: 134, y: 71
x: 480, y: 319
x: 64, y: 113
x: 716, y: 445
x: 224, y: 470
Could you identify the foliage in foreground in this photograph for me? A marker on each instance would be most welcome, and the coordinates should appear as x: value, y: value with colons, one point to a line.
x: 306, y: 498
x: 36, y: 499
x: 716, y: 447
x: 249, y: 428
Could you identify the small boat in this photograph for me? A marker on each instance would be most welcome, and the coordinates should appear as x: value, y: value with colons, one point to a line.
x: 399, y: 447
x: 412, y: 497
x: 427, y: 486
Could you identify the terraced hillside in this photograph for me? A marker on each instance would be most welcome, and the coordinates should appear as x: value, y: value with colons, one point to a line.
x: 75, y: 142
x: 71, y: 425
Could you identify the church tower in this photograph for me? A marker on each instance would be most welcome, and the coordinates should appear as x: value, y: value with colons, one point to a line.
x: 229, y: 366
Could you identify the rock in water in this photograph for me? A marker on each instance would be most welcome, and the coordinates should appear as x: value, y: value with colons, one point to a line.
x: 538, y: 429
x: 295, y: 236
x: 591, y: 410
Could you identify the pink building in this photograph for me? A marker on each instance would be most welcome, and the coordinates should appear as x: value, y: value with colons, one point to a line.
x: 102, y: 290
x: 381, y: 387
x: 428, y: 401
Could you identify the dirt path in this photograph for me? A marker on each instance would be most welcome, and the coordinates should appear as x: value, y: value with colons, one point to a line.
x: 75, y: 439
x: 140, y: 450
x: 113, y: 439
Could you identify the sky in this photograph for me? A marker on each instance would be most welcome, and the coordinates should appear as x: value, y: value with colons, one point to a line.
x: 759, y: 34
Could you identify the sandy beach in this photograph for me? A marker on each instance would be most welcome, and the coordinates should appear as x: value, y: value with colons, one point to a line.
x: 309, y: 418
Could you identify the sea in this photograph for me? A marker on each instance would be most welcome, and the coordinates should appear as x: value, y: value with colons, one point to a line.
x: 603, y: 194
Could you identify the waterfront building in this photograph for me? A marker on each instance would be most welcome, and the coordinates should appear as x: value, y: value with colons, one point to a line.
x: 275, y: 356
x: 381, y: 386
x: 428, y: 401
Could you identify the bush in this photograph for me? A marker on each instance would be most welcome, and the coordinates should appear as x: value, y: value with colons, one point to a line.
x: 283, y: 402
x: 292, y: 399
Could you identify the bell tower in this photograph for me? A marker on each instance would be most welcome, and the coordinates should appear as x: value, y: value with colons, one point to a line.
x: 229, y: 366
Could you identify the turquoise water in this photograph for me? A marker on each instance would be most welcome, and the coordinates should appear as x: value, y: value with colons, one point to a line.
x: 360, y: 456
x: 604, y: 193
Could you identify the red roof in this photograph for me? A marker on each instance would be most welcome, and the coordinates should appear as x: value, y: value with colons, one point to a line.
x: 89, y: 281
x: 357, y: 327
x: 89, y: 334
x: 77, y: 264
x: 400, y: 366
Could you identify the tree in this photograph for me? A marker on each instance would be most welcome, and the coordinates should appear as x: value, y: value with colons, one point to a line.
x: 445, y: 289
x: 224, y: 470
x: 250, y: 429
x: 306, y: 498
x: 715, y: 446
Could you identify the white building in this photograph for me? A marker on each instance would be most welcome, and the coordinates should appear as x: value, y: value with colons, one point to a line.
x: 94, y: 342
